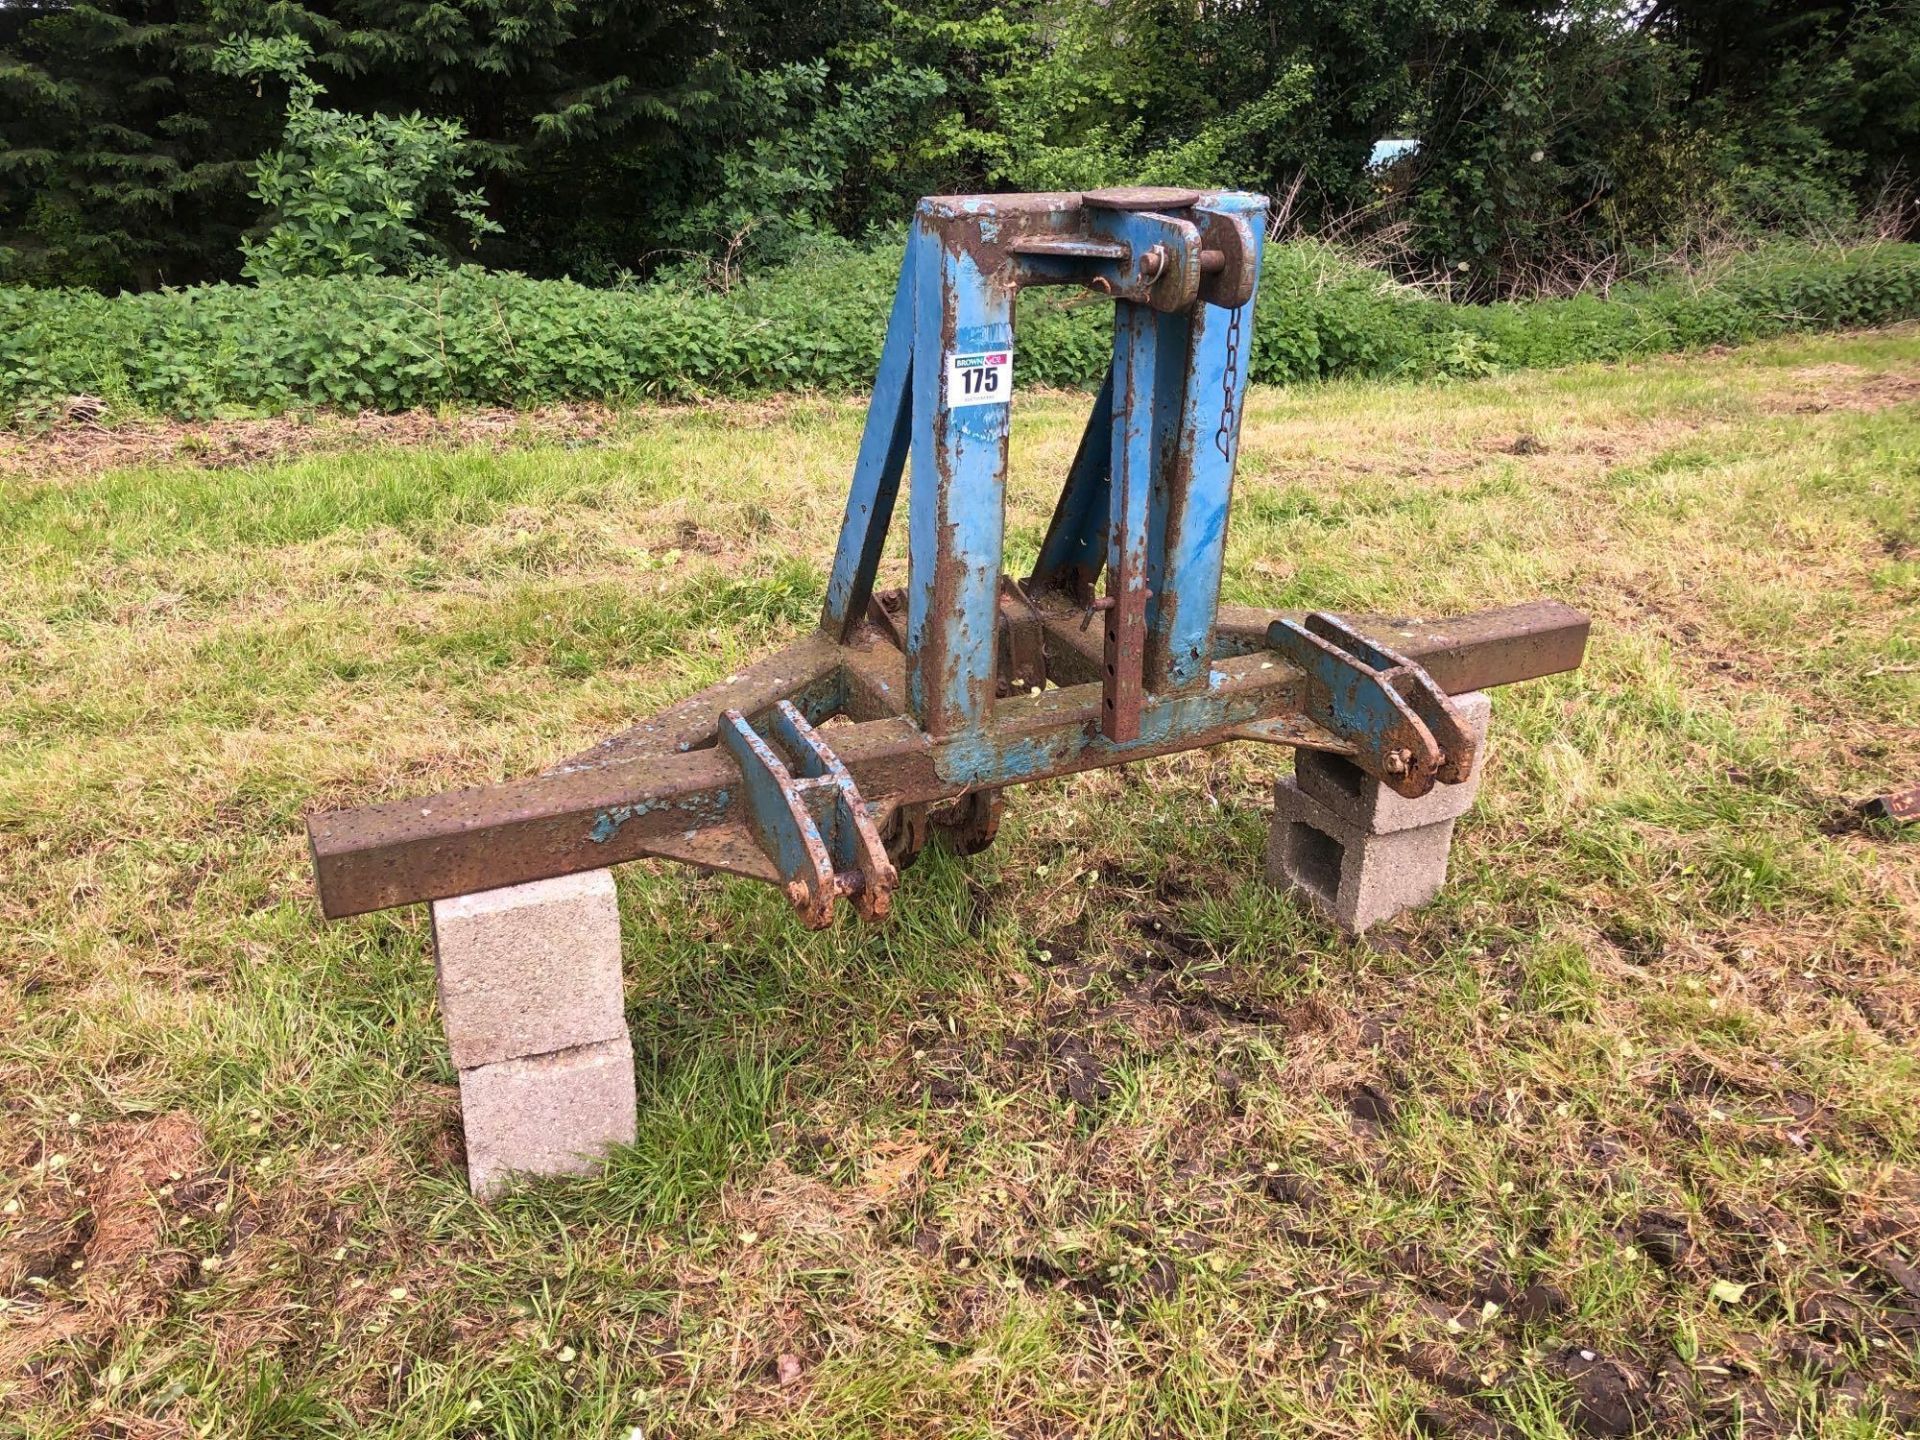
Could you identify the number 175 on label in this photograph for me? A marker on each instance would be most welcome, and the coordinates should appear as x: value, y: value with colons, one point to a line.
x: 985, y: 378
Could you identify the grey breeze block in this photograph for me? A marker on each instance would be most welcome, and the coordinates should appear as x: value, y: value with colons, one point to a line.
x: 1349, y: 874
x: 528, y: 969
x: 547, y: 1114
x: 1359, y: 799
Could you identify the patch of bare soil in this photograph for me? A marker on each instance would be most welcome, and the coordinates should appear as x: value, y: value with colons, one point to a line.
x: 1816, y: 389
x: 79, y: 444
x: 87, y: 1255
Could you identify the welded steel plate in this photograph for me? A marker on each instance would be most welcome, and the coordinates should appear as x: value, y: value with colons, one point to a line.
x: 1142, y: 197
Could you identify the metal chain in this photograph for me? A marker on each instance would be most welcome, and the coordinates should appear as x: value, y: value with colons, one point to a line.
x: 1223, y: 437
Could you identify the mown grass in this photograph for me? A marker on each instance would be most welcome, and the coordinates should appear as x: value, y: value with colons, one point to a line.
x: 1098, y: 1135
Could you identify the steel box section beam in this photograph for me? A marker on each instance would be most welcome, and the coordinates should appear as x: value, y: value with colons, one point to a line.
x: 1194, y: 489
x: 1501, y: 646
x: 591, y: 816
x: 808, y: 672
x: 956, y: 515
x: 586, y: 819
x: 877, y: 469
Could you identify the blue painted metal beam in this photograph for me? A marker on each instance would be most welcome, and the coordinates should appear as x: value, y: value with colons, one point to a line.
x: 1195, y: 485
x: 1075, y: 548
x: 1149, y: 362
x: 877, y: 470
x: 956, y: 520
x: 786, y: 830
x: 853, y: 843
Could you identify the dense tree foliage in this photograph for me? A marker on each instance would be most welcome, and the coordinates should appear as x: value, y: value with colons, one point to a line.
x: 610, y: 137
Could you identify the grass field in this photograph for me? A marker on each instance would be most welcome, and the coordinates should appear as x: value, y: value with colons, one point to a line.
x: 1620, y: 1132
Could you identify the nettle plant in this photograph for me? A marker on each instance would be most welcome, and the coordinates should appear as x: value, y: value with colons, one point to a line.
x: 351, y: 194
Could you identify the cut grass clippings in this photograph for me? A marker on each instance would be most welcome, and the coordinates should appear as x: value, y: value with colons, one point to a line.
x: 1098, y: 1134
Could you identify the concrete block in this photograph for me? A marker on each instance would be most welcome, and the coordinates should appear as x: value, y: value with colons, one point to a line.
x: 1359, y: 799
x: 1351, y: 875
x: 547, y: 1114
x: 529, y: 968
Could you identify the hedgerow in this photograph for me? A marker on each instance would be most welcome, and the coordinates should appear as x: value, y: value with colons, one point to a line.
x: 476, y: 337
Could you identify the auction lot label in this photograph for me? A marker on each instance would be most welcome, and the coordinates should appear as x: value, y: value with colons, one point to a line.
x: 985, y: 378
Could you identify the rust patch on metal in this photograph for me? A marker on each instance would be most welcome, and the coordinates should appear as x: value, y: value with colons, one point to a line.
x: 1226, y: 260
x: 1021, y: 659
x: 1142, y: 197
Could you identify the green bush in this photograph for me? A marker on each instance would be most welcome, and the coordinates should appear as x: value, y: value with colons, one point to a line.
x: 474, y: 337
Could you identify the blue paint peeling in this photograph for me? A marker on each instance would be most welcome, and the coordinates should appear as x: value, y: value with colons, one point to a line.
x: 877, y: 470
x: 956, y: 515
x: 978, y: 758
x: 1190, y: 540
x: 607, y: 822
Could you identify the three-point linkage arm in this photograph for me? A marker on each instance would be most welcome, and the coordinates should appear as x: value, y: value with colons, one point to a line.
x: 967, y: 682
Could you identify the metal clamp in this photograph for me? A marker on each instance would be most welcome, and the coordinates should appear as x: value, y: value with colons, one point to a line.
x: 815, y: 828
x: 1164, y: 248
x: 1404, y: 730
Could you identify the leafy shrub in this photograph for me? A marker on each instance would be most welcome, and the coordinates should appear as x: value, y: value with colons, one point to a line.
x: 348, y: 194
x: 476, y: 337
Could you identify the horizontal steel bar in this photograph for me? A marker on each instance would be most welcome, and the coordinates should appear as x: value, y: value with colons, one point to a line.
x: 588, y: 816
x: 1468, y: 652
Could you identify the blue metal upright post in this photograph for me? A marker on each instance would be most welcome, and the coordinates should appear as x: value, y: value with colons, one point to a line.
x: 1195, y: 485
x: 1074, y: 551
x: 956, y: 516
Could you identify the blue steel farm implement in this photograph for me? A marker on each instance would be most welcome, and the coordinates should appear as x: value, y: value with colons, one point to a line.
x: 969, y: 681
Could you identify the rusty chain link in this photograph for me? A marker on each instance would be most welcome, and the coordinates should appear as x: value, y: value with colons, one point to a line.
x: 1223, y: 437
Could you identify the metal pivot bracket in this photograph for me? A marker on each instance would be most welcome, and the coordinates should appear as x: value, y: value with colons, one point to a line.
x: 1403, y: 729
x: 815, y: 828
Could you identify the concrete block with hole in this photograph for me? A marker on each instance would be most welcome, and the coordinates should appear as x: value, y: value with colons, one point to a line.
x: 1359, y: 799
x: 553, y: 1114
x: 535, y: 1014
x: 527, y: 969
x: 1353, y: 876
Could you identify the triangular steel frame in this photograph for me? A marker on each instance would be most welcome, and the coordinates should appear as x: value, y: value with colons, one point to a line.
x: 823, y: 768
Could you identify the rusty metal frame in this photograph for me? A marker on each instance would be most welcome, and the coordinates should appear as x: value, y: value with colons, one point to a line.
x: 967, y: 682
